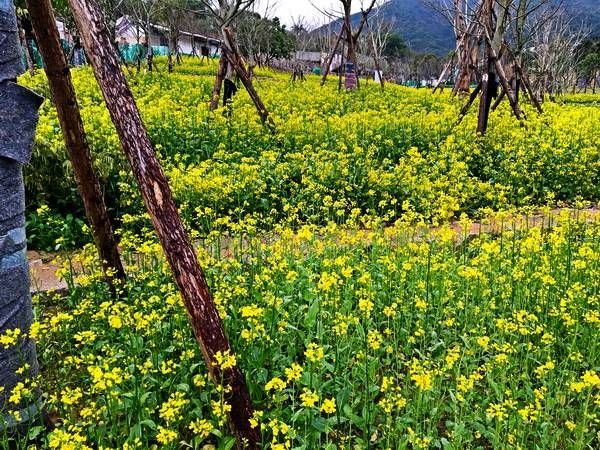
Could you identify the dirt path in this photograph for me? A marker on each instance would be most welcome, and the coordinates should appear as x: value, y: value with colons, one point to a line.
x: 43, y: 269
x: 43, y: 273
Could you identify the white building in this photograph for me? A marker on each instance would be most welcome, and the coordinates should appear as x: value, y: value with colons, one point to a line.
x: 319, y: 58
x: 127, y: 32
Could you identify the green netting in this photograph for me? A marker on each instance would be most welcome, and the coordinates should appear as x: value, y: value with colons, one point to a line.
x: 35, y: 55
x: 78, y: 58
x: 131, y: 52
x: 160, y: 50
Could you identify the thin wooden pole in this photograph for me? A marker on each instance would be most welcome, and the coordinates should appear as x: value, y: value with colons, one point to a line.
x: 63, y: 94
x: 465, y: 108
x: 443, y: 74
x: 499, y: 100
x: 234, y: 58
x: 332, y: 55
x: 216, y: 93
x: 180, y: 254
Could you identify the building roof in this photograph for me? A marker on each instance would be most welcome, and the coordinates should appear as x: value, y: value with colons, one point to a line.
x: 124, y: 22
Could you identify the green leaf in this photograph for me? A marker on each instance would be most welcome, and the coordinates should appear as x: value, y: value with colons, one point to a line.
x: 320, y: 424
x: 311, y: 315
x: 149, y: 423
x: 356, y: 420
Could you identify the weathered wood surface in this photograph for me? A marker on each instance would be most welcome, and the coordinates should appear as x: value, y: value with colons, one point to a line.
x: 65, y: 101
x: 161, y: 207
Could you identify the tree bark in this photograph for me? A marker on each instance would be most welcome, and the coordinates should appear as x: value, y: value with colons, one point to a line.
x: 377, y: 66
x: 26, y: 50
x: 505, y: 84
x: 63, y: 93
x: 488, y: 85
x: 329, y: 60
x: 161, y: 207
x: 442, y: 77
x: 463, y: 81
x: 351, y: 40
x: 524, y: 80
x: 216, y: 93
x: 234, y: 58
x: 465, y: 108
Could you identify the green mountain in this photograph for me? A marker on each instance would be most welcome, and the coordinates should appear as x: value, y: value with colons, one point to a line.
x: 426, y: 31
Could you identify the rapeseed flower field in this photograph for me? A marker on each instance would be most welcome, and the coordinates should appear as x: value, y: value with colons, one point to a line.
x: 336, y: 156
x: 348, y: 338
x: 360, y: 317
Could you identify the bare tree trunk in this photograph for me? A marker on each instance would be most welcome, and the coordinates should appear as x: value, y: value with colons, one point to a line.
x: 18, y: 120
x: 340, y: 68
x: 529, y: 89
x: 488, y: 86
x: 158, y: 199
x: 379, y: 73
x: 377, y: 66
x: 234, y: 58
x: 26, y: 49
x: 463, y: 80
x: 350, y: 42
x: 329, y: 60
x: 443, y: 74
x: 150, y: 58
x: 216, y: 93
x: 465, y: 108
x: 63, y: 93
x: 499, y: 100
x: 149, y: 52
x: 516, y: 82
x: 506, y: 85
x: 170, y: 60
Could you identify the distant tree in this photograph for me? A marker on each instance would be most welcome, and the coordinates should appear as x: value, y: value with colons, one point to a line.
x: 376, y: 38
x: 172, y: 15
x: 281, y: 41
x: 395, y: 47
x: 589, y: 65
x: 348, y: 33
x: 224, y: 13
x: 143, y: 13
x: 554, y: 55
x: 262, y: 39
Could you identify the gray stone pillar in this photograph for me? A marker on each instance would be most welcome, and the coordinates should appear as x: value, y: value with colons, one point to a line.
x: 18, y: 120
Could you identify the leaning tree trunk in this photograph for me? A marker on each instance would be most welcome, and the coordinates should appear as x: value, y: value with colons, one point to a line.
x: 234, y: 58
x: 331, y: 55
x: 351, y: 41
x: 149, y: 52
x: 465, y: 109
x: 489, y: 87
x: 18, y: 120
x: 25, y: 46
x: 161, y: 207
x: 443, y: 75
x: 376, y: 62
x: 216, y: 93
x: 63, y: 93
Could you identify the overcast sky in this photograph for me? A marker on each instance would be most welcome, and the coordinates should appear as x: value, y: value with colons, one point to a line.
x: 288, y: 10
